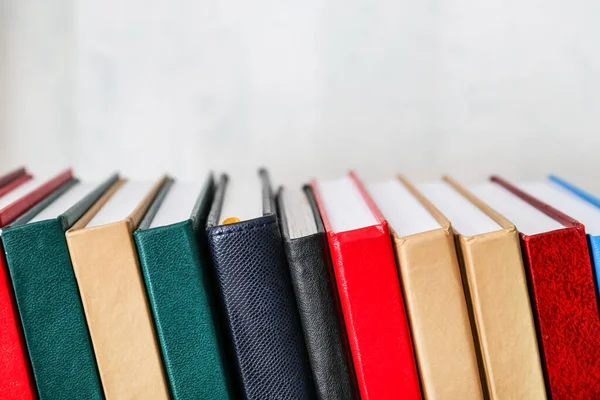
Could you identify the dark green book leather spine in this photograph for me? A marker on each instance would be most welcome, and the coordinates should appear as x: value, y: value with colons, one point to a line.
x: 176, y: 276
x: 49, y: 305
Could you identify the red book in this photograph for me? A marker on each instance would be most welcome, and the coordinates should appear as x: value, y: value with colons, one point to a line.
x: 13, y: 179
x: 369, y: 290
x: 16, y: 380
x: 564, y: 303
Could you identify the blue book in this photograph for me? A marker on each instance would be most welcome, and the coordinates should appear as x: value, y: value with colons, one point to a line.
x: 593, y: 241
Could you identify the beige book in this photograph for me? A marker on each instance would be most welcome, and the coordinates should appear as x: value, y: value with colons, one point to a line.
x: 433, y: 292
x: 112, y: 291
x: 496, y: 288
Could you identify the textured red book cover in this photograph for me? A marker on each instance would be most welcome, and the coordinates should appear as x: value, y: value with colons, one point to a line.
x: 373, y: 308
x: 564, y: 301
x: 16, y: 380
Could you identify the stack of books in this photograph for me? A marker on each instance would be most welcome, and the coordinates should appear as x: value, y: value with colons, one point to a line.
x: 341, y: 289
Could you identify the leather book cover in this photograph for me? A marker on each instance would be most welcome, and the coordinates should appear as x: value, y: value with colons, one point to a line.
x: 496, y: 288
x: 16, y: 378
x: 13, y: 179
x: 312, y: 278
x: 372, y: 305
x: 593, y: 241
x: 178, y: 282
x: 437, y: 309
x: 114, y: 300
x: 48, y: 300
x: 563, y: 297
x: 257, y: 301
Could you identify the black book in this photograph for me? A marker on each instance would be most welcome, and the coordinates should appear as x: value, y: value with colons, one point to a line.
x: 307, y: 251
x: 265, y: 339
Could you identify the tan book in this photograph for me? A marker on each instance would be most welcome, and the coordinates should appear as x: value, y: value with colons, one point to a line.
x: 496, y: 288
x: 113, y: 294
x: 433, y: 291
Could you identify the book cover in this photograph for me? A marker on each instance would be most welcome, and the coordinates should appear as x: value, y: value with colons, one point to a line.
x: 563, y: 298
x: 496, y: 289
x: 178, y: 282
x: 437, y: 309
x: 16, y: 378
x: 48, y: 299
x: 312, y: 278
x: 257, y: 301
x: 373, y: 309
x: 116, y: 308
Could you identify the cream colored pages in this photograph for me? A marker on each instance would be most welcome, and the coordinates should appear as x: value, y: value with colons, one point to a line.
x: 114, y: 299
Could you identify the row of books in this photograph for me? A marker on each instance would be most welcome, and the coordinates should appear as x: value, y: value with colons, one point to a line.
x: 341, y: 289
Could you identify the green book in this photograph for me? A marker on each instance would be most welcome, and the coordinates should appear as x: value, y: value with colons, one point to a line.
x: 173, y: 258
x: 47, y: 295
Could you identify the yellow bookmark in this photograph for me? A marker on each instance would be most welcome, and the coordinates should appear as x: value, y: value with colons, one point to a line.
x: 231, y: 220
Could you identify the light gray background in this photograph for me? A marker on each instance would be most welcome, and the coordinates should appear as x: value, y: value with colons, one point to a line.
x: 307, y: 88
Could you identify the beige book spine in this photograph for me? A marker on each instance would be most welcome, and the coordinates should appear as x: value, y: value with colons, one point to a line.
x: 497, y: 287
x: 117, y: 311
x: 438, y: 315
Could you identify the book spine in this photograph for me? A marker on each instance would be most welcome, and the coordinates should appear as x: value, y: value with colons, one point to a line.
x: 374, y: 313
x: 117, y: 312
x: 438, y: 315
x: 51, y: 312
x: 566, y: 311
x: 497, y: 291
x: 310, y: 268
x: 260, y: 311
x: 177, y: 288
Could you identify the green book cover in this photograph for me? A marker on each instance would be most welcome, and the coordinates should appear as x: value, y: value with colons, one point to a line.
x: 47, y: 297
x: 177, y: 277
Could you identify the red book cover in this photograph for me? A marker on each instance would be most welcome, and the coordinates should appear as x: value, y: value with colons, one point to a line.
x: 372, y: 306
x: 564, y: 303
x: 13, y: 179
x: 16, y: 380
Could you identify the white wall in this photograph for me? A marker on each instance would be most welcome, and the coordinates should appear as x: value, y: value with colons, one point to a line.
x: 306, y: 87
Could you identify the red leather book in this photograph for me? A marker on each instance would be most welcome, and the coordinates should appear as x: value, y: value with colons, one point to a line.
x: 16, y: 380
x: 564, y: 303
x: 369, y: 290
x: 13, y: 179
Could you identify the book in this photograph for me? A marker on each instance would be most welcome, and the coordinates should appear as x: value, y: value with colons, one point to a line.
x: 369, y: 290
x: 47, y: 296
x: 112, y: 291
x: 263, y: 327
x: 310, y: 266
x: 585, y: 215
x: 433, y: 291
x: 562, y: 290
x: 496, y: 289
x: 16, y: 378
x: 13, y: 179
x: 173, y: 255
